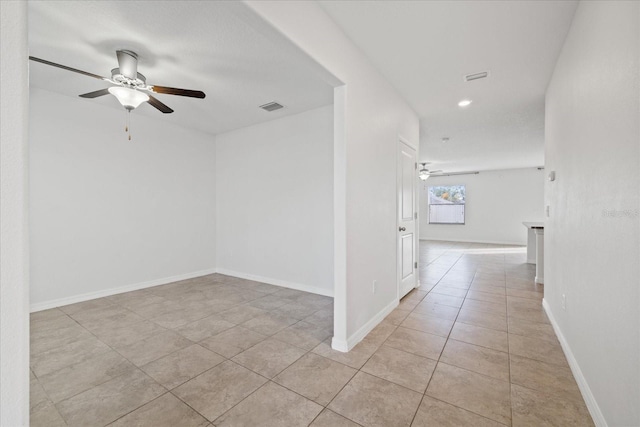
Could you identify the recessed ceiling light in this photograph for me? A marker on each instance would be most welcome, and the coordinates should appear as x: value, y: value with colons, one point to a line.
x: 464, y: 103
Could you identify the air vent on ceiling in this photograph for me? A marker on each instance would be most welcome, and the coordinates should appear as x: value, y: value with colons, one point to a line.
x: 476, y: 76
x: 271, y: 106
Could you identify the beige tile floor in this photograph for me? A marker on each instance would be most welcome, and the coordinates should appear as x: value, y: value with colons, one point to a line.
x: 472, y: 346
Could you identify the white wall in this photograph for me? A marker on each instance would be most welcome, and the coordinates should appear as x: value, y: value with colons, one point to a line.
x: 14, y: 256
x: 592, y: 235
x: 369, y: 116
x: 497, y: 203
x: 275, y: 201
x: 107, y: 212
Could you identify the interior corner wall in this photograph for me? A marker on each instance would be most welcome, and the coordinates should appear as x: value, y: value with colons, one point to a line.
x: 108, y: 214
x: 592, y: 237
x: 275, y: 201
x: 14, y: 252
x: 497, y: 202
x: 370, y: 118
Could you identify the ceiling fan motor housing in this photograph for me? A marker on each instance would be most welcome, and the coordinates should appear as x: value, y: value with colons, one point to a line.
x: 127, y: 72
x: 139, y: 82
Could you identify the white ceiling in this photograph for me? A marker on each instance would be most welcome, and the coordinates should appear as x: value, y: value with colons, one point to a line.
x: 424, y: 48
x: 198, y: 45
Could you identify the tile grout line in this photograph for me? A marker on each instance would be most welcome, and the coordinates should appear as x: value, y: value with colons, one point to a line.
x: 360, y: 369
x: 67, y: 366
x: 456, y: 366
x: 249, y: 369
x: 136, y: 367
x: 268, y: 379
x: 133, y: 364
x: 443, y: 347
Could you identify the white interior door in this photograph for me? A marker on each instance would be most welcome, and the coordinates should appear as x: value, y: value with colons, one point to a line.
x: 407, y: 214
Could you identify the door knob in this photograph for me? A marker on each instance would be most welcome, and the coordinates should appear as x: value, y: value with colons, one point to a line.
x: 402, y: 229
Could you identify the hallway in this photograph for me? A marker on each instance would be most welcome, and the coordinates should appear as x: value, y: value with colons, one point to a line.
x: 471, y: 346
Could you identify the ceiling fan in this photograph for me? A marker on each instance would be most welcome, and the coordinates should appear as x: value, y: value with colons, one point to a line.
x: 425, y: 173
x: 129, y: 86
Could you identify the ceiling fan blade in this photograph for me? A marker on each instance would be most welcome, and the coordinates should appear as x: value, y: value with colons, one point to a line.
x: 64, y: 67
x: 159, y: 105
x: 456, y: 173
x: 175, y: 91
x: 439, y: 170
x: 127, y: 63
x: 95, y: 94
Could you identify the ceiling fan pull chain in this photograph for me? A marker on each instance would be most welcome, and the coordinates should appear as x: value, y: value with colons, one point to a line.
x: 129, y: 123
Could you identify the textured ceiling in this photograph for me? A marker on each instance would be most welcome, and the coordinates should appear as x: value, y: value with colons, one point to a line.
x: 424, y: 48
x: 199, y: 45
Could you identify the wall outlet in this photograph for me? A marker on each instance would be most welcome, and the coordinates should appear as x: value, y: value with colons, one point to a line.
x: 374, y: 287
x: 564, y: 302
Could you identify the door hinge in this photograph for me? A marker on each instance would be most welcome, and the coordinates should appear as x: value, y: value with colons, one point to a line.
x: 415, y: 265
x: 416, y: 166
x: 415, y: 215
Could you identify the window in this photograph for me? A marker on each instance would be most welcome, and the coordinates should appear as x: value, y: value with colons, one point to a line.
x: 446, y: 204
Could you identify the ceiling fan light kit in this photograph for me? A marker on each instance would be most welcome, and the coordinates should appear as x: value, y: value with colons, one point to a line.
x: 129, y: 85
x: 129, y: 98
x: 424, y: 173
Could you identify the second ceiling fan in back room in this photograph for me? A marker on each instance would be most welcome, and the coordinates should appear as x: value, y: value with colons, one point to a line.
x: 129, y: 86
x: 425, y: 173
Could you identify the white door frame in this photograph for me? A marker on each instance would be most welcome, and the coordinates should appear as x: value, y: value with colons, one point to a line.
x: 402, y: 140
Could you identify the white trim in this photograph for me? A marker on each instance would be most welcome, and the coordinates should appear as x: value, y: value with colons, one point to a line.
x: 410, y: 144
x: 165, y: 280
x: 345, y: 346
x: 587, y: 395
x: 114, y: 291
x: 416, y: 221
x: 339, y: 345
x: 278, y: 282
x: 339, y: 213
x: 14, y: 215
x: 491, y: 242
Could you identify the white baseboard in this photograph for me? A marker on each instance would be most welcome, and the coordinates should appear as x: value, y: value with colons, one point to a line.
x: 45, y: 305
x: 278, y: 282
x: 345, y: 346
x: 339, y: 345
x: 490, y: 242
x: 587, y: 395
